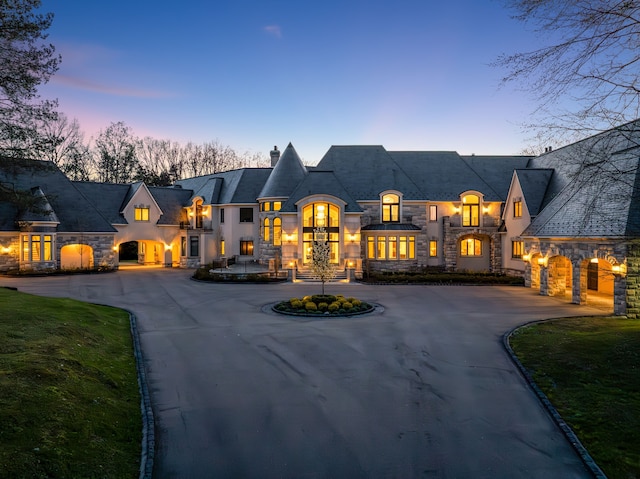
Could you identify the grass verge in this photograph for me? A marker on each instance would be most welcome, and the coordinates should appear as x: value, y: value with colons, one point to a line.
x: 69, y: 400
x: 589, y: 368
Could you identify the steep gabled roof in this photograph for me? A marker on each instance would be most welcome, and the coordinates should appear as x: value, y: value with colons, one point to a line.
x: 62, y: 198
x: 44, y: 211
x: 366, y: 171
x: 496, y: 172
x: 107, y: 198
x: 236, y: 186
x: 534, y: 184
x: 171, y: 202
x: 288, y: 172
x: 319, y: 182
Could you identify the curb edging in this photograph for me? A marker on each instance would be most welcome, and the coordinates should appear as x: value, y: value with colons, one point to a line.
x: 586, y: 458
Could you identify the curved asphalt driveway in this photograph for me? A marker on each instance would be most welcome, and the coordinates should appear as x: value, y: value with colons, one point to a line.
x: 423, y: 389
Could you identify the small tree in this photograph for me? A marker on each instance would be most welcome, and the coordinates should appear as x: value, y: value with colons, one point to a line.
x: 321, y: 259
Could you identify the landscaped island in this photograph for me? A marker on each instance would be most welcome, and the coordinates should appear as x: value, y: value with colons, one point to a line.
x: 323, y: 305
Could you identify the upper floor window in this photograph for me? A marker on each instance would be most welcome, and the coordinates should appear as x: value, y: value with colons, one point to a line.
x: 141, y: 213
x: 470, y: 210
x: 517, y: 249
x: 433, y: 213
x: 246, y: 215
x: 221, y: 215
x: 320, y: 214
x: 390, y: 208
x: 517, y: 208
x: 199, y: 215
x: 277, y: 205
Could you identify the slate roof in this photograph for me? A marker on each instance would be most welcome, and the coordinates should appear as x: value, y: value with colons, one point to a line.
x: 496, y: 172
x: 69, y: 205
x: 366, y: 171
x: 534, y: 184
x: 107, y: 198
x: 241, y: 186
x: 288, y: 172
x: 319, y: 182
x: 594, y: 189
x: 44, y: 211
x: 171, y: 201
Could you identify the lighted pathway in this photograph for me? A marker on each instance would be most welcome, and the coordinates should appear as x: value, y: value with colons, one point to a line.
x: 424, y: 389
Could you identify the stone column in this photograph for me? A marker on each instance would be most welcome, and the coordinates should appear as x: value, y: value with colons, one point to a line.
x: 544, y: 281
x: 579, y: 286
x: 619, y: 295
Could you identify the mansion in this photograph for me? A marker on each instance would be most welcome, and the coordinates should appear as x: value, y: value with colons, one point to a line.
x: 567, y: 220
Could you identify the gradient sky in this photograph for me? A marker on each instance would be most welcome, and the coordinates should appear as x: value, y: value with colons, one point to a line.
x: 410, y: 75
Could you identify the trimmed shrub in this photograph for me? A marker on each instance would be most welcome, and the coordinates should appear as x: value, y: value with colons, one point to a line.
x: 323, y: 306
x: 347, y: 305
x: 356, y: 302
x: 310, y: 306
x: 333, y: 307
x: 296, y: 304
x: 306, y: 299
x: 323, y: 298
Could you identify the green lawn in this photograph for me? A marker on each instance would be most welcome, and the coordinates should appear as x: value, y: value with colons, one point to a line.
x: 69, y: 401
x: 590, y: 370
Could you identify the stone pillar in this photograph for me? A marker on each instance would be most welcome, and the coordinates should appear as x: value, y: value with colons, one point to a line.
x: 544, y: 281
x: 579, y: 286
x: 619, y: 295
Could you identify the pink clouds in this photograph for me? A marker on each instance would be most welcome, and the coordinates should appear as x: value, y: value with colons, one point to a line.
x: 84, y: 84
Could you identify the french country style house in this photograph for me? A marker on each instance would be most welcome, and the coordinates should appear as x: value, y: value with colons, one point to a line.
x: 568, y: 221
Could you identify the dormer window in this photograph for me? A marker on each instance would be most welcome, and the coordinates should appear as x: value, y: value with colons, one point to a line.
x: 471, y: 210
x: 141, y: 213
x: 390, y: 208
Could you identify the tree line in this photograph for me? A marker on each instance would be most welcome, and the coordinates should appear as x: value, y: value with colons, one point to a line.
x: 118, y: 156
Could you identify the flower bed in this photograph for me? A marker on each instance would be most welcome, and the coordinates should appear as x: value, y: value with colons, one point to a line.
x: 323, y: 305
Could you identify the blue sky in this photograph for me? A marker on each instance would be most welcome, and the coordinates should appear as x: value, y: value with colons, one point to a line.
x: 410, y: 75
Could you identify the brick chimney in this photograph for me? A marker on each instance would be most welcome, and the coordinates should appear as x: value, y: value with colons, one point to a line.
x: 275, y: 156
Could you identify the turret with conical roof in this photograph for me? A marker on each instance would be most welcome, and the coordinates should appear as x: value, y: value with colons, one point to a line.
x: 285, y: 176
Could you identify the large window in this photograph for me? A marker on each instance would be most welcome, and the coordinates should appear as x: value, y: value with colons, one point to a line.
x: 141, y: 213
x: 390, y: 208
x: 471, y: 247
x: 246, y: 215
x: 324, y: 215
x: 37, y: 248
x: 277, y: 232
x: 517, y: 249
x: 199, y: 215
x: 266, y: 231
x: 517, y: 208
x: 246, y: 247
x: 391, y: 247
x: 471, y: 210
x: 194, y: 246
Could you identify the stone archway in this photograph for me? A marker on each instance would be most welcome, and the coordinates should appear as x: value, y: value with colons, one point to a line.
x: 560, y: 277
x: 474, y: 252
x: 597, y: 282
x: 76, y: 256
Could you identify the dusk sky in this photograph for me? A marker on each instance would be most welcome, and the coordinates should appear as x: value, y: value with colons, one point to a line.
x: 409, y: 75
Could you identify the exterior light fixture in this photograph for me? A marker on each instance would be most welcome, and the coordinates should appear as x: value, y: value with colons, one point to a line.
x: 619, y: 269
x: 115, y: 247
x: 6, y: 249
x: 352, y: 238
x: 594, y: 260
x: 485, y: 209
x: 542, y: 261
x: 526, y: 257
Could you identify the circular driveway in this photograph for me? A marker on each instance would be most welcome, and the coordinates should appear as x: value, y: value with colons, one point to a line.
x: 422, y: 389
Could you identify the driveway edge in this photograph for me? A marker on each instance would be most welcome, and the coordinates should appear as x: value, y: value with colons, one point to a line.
x: 542, y: 397
x: 148, y: 432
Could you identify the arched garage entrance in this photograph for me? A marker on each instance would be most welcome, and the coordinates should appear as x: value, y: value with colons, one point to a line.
x: 596, y: 282
x: 76, y: 256
x: 144, y: 252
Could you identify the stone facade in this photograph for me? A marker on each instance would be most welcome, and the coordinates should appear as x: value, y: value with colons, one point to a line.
x: 104, y: 255
x: 9, y: 253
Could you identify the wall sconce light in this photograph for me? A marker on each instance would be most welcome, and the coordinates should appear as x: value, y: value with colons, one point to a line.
x: 619, y: 269
x: 291, y: 264
x: 190, y: 214
x: 6, y: 249
x: 485, y: 209
x: 542, y: 261
x: 116, y: 247
x: 351, y: 264
x: 288, y: 238
x: 167, y: 247
x: 352, y: 238
x: 526, y: 257
x: 594, y: 260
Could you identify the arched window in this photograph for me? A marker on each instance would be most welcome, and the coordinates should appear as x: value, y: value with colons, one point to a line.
x: 267, y: 230
x: 471, y: 247
x: 324, y: 215
x: 470, y: 210
x: 277, y: 232
x: 199, y: 214
x: 390, y: 208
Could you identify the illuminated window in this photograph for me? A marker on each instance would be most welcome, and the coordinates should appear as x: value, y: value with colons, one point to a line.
x: 402, y: 247
x: 517, y: 208
x: 277, y: 205
x: 277, y: 232
x: 324, y: 215
x: 37, y: 248
x: 382, y: 247
x: 266, y: 230
x: 433, y: 248
x: 393, y: 247
x: 433, y: 213
x: 471, y: 247
x: 390, y: 208
x: 517, y: 249
x: 199, y: 215
x: 141, y: 213
x: 221, y: 247
x: 246, y: 248
x: 470, y: 210
x: 266, y: 206
x: 246, y: 215
x: 371, y: 247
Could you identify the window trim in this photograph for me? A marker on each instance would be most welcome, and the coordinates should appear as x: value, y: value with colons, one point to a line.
x: 433, y: 213
x: 382, y: 247
x: 433, y: 248
x: 517, y: 208
x: 477, y: 245
x: 517, y: 246
x: 245, y: 210
x: 138, y: 213
x: 389, y: 214
x: 46, y: 248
